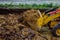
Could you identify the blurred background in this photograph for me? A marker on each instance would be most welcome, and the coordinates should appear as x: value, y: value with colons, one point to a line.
x: 29, y: 3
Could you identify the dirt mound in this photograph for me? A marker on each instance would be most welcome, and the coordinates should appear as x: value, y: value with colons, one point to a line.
x: 18, y: 26
x: 11, y: 28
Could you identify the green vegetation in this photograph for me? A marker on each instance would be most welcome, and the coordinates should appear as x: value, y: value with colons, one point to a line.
x: 36, y: 6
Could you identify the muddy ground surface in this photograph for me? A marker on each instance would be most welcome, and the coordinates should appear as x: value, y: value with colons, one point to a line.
x: 17, y: 26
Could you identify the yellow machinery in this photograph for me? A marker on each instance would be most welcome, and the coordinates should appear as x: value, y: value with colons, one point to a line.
x: 53, y: 20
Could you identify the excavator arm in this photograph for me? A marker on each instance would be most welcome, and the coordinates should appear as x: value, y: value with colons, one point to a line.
x: 41, y: 21
x: 50, y: 18
x: 45, y: 18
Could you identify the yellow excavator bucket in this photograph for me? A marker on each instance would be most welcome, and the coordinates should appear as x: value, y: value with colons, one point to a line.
x: 45, y: 19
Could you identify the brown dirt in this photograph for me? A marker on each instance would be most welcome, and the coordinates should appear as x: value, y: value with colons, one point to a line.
x: 18, y: 27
